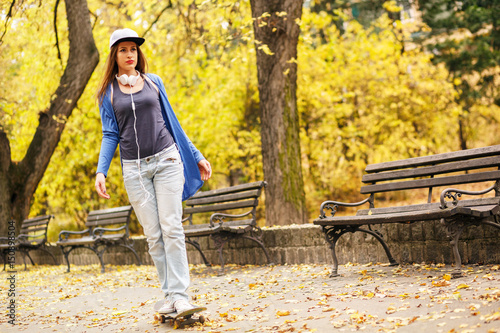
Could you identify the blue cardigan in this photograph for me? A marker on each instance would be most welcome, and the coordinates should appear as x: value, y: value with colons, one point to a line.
x: 111, y: 137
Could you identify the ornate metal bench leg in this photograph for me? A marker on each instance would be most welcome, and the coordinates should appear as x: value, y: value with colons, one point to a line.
x: 198, y: 247
x: 220, y: 241
x: 131, y: 248
x: 100, y: 255
x: 24, y: 259
x: 380, y: 238
x: 31, y: 259
x: 52, y: 255
x: 332, y: 235
x: 66, y: 255
x: 454, y: 229
x: 261, y: 246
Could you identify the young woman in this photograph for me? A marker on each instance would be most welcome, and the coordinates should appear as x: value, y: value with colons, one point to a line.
x: 161, y: 167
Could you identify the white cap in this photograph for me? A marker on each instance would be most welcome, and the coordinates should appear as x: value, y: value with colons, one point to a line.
x: 122, y: 35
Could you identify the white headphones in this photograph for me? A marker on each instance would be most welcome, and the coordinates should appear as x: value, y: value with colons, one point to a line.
x: 130, y: 80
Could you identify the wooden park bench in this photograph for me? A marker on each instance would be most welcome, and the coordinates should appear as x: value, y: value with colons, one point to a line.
x: 105, y: 228
x: 479, y: 165
x: 32, y: 236
x: 223, y: 227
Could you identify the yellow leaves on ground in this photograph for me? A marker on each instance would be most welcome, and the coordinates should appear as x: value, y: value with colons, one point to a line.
x: 463, y: 286
x: 282, y: 313
x: 289, y: 298
x: 491, y: 317
x: 442, y: 283
x: 119, y: 313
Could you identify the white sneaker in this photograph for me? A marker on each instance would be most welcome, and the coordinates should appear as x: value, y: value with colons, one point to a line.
x: 181, y: 305
x: 167, y: 307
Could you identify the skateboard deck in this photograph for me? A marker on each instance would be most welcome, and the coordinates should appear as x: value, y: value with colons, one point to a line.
x: 182, y: 319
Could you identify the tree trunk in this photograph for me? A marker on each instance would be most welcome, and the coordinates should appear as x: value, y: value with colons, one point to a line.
x: 277, y: 32
x: 19, y: 180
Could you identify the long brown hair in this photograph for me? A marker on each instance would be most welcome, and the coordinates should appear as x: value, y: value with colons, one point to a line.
x: 111, y: 69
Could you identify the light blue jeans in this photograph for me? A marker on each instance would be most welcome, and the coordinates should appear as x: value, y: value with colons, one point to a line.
x: 156, y: 196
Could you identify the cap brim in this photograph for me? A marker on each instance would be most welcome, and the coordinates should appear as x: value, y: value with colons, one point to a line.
x: 138, y: 40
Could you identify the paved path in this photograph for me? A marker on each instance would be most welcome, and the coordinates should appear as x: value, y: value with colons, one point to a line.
x: 296, y: 298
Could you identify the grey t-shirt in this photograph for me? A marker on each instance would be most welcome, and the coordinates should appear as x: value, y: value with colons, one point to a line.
x: 152, y: 134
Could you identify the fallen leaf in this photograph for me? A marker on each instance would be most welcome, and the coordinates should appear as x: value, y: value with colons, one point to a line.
x: 442, y: 283
x: 390, y: 310
x: 282, y: 313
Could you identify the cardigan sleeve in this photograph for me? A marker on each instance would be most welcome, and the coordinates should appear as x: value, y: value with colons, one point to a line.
x: 110, y: 136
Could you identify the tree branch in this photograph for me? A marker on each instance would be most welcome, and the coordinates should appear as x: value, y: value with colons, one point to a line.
x: 95, y: 17
x: 55, y: 30
x: 169, y: 5
x: 7, y: 18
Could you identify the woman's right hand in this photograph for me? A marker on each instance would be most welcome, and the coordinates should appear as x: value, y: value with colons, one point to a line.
x: 100, y: 185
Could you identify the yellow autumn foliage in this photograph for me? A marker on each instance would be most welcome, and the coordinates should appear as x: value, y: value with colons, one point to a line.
x: 364, y: 96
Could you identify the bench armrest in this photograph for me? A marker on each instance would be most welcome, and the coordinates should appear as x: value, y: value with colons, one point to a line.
x: 100, y: 231
x: 66, y: 233
x: 454, y: 193
x: 220, y: 217
x: 333, y: 205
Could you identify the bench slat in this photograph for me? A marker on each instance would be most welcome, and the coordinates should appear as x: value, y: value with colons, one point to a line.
x: 224, y: 198
x: 77, y: 241
x: 433, y: 170
x: 232, y: 189
x: 120, y: 220
x: 219, y: 207
x: 111, y: 237
x: 111, y: 210
x: 432, y: 182
x: 434, y: 159
x: 38, y: 218
x: 118, y: 215
x: 198, y: 230
x: 93, y: 216
x: 33, y: 229
x: 427, y: 206
x: 395, y: 218
x: 34, y: 223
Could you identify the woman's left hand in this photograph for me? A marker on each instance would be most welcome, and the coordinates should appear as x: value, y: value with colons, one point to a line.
x: 205, y: 170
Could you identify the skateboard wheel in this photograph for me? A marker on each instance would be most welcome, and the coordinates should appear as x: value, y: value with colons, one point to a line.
x: 162, y: 319
x: 201, y: 319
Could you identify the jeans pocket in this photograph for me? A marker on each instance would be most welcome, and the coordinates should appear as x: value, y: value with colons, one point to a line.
x: 171, y: 158
x: 170, y: 177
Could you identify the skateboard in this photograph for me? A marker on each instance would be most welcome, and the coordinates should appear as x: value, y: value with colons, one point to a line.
x: 180, y: 320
